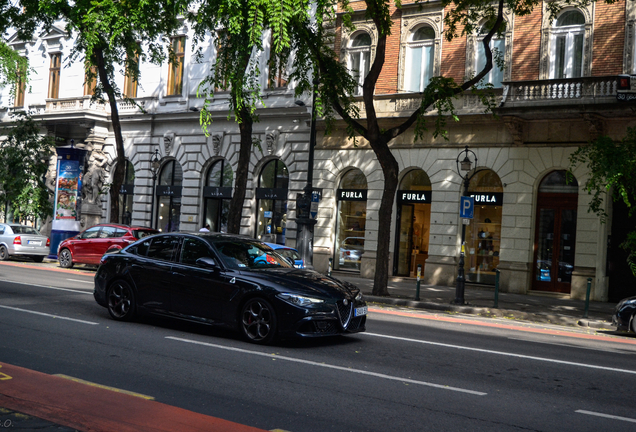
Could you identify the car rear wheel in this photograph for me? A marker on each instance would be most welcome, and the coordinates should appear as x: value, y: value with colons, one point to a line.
x: 37, y: 258
x: 258, y: 321
x: 65, y: 258
x: 634, y: 322
x: 4, y: 253
x: 121, y: 301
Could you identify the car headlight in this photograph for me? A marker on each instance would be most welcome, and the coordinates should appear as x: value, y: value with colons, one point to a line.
x: 359, y: 296
x: 298, y: 300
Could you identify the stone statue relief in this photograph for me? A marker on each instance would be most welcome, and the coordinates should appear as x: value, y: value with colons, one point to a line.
x: 94, y: 177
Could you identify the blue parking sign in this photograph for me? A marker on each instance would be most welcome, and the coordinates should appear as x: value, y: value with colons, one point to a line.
x: 467, y: 207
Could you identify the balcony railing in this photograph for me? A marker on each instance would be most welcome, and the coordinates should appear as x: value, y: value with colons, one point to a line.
x: 82, y: 103
x: 560, y: 91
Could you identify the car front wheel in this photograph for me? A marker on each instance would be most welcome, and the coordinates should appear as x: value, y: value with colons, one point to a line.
x: 65, y: 258
x: 634, y: 322
x: 4, y: 253
x: 258, y: 321
x: 121, y: 301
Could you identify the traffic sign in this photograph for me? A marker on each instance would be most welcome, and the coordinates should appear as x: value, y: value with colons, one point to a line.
x: 467, y: 207
x: 313, y: 209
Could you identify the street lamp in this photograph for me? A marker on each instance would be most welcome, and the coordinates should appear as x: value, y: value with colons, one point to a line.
x: 154, y: 168
x: 464, y: 166
x: 305, y: 231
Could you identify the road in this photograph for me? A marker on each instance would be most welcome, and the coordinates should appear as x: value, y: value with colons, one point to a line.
x: 411, y: 371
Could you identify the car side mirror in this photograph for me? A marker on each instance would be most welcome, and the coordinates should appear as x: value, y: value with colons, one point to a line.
x: 206, y: 262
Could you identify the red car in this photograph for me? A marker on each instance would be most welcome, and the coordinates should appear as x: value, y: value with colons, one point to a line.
x: 91, y: 244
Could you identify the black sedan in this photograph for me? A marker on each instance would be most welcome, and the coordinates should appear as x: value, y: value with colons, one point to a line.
x: 227, y: 280
x: 624, y: 317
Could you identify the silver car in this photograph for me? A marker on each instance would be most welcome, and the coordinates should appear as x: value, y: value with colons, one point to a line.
x: 24, y: 241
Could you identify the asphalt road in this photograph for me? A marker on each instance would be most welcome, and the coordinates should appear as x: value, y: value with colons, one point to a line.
x: 411, y: 371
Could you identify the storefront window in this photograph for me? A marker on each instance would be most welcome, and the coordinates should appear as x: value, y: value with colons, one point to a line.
x: 352, y: 217
x: 126, y: 194
x: 483, y: 234
x: 413, y: 223
x: 169, y: 197
x: 217, y: 195
x: 271, y: 194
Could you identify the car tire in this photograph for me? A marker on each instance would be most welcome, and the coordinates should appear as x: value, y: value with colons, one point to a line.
x: 37, y: 259
x: 633, y: 324
x: 65, y: 258
x: 4, y: 253
x: 121, y: 301
x: 258, y: 321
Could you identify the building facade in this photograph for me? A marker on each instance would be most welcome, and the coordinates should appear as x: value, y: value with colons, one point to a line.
x: 556, y: 91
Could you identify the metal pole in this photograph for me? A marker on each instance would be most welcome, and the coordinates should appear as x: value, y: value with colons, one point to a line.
x: 330, y: 267
x: 587, y: 297
x: 152, y: 199
x: 461, y: 279
x: 496, y: 306
x: 419, y: 275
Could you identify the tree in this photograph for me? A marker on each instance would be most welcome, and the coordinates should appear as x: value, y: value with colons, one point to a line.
x: 111, y: 34
x: 612, y: 169
x: 25, y: 154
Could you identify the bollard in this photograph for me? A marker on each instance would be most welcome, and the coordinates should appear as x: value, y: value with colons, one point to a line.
x: 587, y: 297
x: 419, y: 275
x: 496, y: 306
x: 329, y: 269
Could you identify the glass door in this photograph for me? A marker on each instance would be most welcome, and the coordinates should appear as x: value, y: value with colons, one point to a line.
x: 405, y: 244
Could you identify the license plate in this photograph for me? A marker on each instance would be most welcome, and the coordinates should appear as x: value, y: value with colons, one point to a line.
x: 34, y: 242
x: 360, y: 311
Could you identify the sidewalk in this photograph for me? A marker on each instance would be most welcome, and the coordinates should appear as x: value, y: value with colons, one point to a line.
x: 535, y: 307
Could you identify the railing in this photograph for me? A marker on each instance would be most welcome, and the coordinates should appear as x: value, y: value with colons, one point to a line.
x: 82, y: 103
x: 560, y: 91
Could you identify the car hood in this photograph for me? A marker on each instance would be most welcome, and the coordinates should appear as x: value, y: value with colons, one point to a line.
x: 303, y: 281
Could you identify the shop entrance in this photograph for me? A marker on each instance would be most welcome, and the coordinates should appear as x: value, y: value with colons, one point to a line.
x: 352, y: 218
x: 555, y: 233
x: 413, y: 223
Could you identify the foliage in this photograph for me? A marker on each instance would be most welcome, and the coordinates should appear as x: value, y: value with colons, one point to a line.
x: 25, y: 154
x: 612, y: 168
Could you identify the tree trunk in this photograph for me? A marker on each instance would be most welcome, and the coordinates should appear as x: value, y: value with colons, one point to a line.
x: 117, y: 176
x: 238, y: 197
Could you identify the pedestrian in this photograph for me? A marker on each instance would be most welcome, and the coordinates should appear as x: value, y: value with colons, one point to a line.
x: 206, y: 228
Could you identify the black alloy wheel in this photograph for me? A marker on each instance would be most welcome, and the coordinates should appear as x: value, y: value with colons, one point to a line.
x: 121, y: 301
x: 4, y: 253
x: 258, y: 321
x: 65, y: 258
x: 634, y: 322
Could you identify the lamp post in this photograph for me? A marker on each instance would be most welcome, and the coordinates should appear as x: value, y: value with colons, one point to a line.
x: 305, y: 231
x: 154, y: 168
x: 464, y: 166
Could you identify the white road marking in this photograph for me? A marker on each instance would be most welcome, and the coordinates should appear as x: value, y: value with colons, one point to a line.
x: 82, y: 281
x: 566, y: 345
x: 312, y: 363
x: 633, y: 372
x: 78, y: 290
x: 49, y: 315
x: 613, y: 417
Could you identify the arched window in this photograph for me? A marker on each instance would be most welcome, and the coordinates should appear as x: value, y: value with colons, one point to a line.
x: 420, y: 58
x: 352, y: 217
x: 217, y: 194
x: 360, y: 58
x: 169, y: 194
x: 567, y: 45
x: 498, y: 48
x: 271, y: 195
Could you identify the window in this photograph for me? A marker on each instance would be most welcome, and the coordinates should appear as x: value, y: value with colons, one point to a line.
x: 498, y: 47
x: 20, y: 89
x: 162, y: 248
x: 130, y: 80
x: 175, y: 73
x: 90, y: 82
x: 277, y: 76
x: 567, y: 45
x: 91, y: 233
x: 360, y: 58
x: 193, y: 249
x: 420, y: 58
x: 54, y: 76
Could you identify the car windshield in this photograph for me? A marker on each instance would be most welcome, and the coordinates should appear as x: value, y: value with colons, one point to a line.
x: 243, y: 255
x: 289, y: 253
x: 24, y: 230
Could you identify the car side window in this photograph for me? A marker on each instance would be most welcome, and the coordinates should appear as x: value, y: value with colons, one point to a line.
x: 1, y: 230
x: 193, y: 249
x: 107, y: 232
x: 119, y: 232
x: 91, y: 233
x: 163, y: 247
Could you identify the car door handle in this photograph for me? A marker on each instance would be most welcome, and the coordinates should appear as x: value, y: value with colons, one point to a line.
x: 178, y: 274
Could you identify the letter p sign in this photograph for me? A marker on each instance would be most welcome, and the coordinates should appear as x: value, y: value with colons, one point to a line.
x: 466, y: 207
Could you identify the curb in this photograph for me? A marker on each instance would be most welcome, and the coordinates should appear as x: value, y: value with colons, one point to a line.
x: 493, y: 313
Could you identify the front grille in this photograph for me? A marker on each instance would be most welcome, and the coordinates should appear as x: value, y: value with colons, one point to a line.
x: 357, y: 323
x: 344, y: 312
x: 318, y: 328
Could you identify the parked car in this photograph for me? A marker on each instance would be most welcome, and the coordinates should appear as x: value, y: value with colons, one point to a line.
x: 88, y: 246
x: 23, y: 241
x: 624, y: 317
x: 220, y: 279
x: 351, y: 252
x: 288, y: 252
